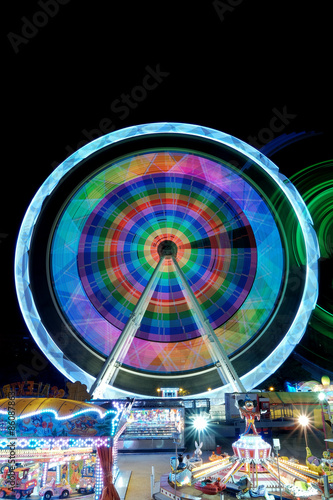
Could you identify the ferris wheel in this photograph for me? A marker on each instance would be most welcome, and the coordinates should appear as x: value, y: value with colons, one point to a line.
x: 167, y: 254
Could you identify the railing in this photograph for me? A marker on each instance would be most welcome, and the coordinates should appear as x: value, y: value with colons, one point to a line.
x: 277, y: 412
x: 282, y: 412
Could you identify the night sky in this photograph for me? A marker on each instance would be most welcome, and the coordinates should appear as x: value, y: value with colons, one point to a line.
x: 75, y: 70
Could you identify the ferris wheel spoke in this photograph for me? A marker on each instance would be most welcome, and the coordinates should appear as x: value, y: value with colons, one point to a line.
x: 235, y: 237
x: 120, y: 349
x: 218, y: 354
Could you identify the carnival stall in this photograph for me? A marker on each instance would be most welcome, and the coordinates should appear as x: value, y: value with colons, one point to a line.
x: 57, y: 442
x: 152, y: 425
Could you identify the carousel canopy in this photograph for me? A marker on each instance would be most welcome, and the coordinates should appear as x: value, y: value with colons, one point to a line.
x: 24, y: 407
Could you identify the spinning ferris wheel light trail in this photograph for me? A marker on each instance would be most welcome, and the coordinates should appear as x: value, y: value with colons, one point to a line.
x: 166, y: 250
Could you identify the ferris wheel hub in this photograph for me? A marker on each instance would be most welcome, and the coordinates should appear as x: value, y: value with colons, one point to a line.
x: 167, y: 248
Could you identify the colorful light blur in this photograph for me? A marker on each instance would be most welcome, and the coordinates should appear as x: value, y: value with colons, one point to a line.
x: 229, y: 244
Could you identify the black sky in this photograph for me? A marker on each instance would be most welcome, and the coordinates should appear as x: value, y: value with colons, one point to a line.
x: 69, y: 65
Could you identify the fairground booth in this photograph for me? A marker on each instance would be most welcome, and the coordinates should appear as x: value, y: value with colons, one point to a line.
x: 58, y: 445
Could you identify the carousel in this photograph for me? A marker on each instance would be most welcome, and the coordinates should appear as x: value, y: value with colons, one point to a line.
x: 253, y: 470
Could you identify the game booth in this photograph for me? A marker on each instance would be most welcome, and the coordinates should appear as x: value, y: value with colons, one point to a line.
x: 152, y: 425
x: 58, y: 447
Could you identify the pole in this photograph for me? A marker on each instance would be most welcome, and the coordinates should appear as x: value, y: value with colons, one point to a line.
x: 306, y: 435
x: 324, y: 423
x: 252, y: 467
x: 277, y: 459
x: 152, y: 485
x: 176, y: 470
x: 326, y: 487
x: 276, y: 446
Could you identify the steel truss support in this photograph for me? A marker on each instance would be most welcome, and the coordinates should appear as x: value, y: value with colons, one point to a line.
x: 112, y: 364
x: 222, y: 362
x: 119, y: 351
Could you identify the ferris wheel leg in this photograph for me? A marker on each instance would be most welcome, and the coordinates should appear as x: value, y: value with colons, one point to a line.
x: 120, y: 349
x: 223, y: 365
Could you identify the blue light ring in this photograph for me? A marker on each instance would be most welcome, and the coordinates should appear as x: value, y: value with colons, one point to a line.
x: 22, y: 280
